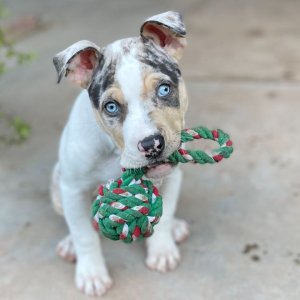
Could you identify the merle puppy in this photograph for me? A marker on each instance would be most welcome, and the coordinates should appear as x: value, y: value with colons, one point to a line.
x: 130, y: 114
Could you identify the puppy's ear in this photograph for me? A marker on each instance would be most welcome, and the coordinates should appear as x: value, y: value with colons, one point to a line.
x: 168, y: 31
x: 78, y: 62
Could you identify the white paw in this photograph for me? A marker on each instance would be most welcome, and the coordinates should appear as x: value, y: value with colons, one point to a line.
x: 180, y: 230
x: 163, y: 256
x: 65, y: 249
x: 92, y: 279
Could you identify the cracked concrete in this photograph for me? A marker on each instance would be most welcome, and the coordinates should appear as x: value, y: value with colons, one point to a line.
x: 242, y: 73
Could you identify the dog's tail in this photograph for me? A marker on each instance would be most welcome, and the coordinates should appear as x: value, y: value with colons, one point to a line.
x: 55, y: 190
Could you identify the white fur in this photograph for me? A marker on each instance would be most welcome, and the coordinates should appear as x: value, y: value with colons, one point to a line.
x: 137, y: 124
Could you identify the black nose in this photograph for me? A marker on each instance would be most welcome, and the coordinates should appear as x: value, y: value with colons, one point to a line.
x: 152, y: 145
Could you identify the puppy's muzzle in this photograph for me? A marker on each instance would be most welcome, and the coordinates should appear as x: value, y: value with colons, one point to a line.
x: 152, y: 146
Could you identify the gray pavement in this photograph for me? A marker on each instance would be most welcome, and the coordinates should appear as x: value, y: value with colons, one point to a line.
x: 242, y: 70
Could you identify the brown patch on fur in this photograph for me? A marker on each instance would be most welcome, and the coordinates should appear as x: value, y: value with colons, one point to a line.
x: 150, y: 82
x: 115, y: 92
x: 114, y: 131
x: 117, y: 135
x: 183, y: 97
x: 113, y: 126
x: 170, y: 120
x: 165, y: 115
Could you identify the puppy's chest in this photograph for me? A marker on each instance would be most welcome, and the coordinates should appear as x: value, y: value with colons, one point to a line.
x: 107, y: 167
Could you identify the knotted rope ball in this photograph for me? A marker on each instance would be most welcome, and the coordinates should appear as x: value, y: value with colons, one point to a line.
x: 128, y: 207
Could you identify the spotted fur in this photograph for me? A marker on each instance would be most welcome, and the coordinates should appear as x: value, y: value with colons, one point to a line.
x: 142, y: 112
x: 159, y: 60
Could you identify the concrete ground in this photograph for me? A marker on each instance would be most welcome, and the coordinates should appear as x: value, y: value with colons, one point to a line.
x: 242, y: 69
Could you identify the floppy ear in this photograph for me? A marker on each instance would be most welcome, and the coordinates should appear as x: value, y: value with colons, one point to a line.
x: 168, y: 31
x: 78, y: 62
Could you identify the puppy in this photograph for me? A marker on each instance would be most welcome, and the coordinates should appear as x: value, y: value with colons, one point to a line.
x: 129, y: 114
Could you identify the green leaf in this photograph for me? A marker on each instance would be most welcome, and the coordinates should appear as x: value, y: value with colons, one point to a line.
x: 22, y: 129
x: 2, y: 67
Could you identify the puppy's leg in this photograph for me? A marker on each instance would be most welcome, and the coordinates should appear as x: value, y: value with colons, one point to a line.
x: 163, y: 254
x: 65, y: 249
x: 92, y: 277
x: 180, y: 230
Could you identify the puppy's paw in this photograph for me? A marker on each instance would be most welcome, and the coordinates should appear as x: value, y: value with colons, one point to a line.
x: 65, y: 249
x: 180, y: 230
x: 163, y: 256
x: 92, y: 279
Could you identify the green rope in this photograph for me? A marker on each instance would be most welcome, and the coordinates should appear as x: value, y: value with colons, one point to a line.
x: 127, y: 208
x: 199, y: 156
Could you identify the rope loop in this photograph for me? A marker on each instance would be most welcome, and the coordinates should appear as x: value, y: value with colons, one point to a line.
x: 198, y: 156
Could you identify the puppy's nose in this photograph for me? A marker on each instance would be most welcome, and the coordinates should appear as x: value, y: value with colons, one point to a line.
x: 152, y: 145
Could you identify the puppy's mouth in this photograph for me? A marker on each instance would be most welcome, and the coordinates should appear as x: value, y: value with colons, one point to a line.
x: 158, y: 169
x: 154, y: 168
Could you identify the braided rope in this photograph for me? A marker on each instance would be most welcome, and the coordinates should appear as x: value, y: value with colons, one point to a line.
x: 198, y: 156
x: 127, y: 208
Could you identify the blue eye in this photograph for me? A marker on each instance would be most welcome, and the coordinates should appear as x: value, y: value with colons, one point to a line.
x: 111, y: 107
x: 163, y: 90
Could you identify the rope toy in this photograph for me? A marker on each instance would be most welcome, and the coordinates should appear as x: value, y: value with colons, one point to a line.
x: 128, y: 207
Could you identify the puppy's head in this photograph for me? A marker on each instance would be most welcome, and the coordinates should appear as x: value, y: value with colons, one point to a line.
x: 136, y: 89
